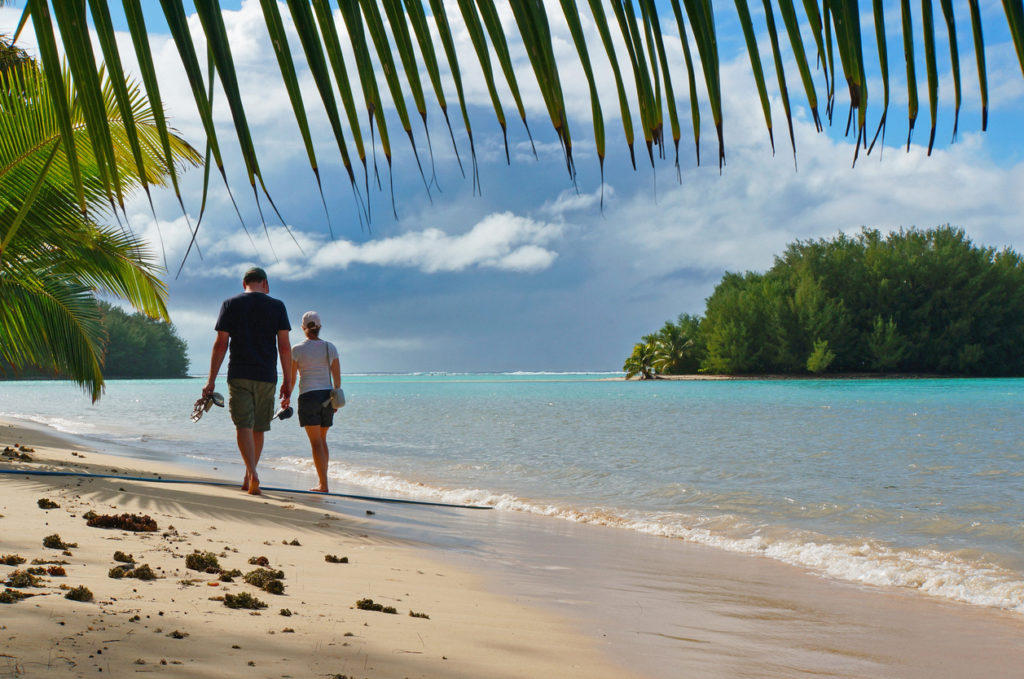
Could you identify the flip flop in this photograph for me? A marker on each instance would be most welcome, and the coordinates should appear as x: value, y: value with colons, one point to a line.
x: 203, y: 404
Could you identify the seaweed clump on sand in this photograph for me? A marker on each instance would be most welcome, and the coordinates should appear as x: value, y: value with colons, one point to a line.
x: 419, y: 615
x: 204, y: 562
x: 44, y: 562
x: 132, y: 522
x: 266, y: 579
x: 123, y: 558
x: 54, y: 542
x: 80, y: 593
x: 15, y: 454
x: 229, y: 576
x: 143, y: 572
x: 56, y: 571
x: 22, y: 579
x: 12, y: 560
x: 331, y: 558
x: 47, y: 503
x: 10, y: 596
x: 243, y: 600
x: 369, y: 605
x: 259, y: 561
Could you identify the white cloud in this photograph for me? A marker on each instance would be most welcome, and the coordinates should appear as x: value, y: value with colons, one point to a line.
x: 574, y: 201
x: 499, y: 241
x: 374, y: 344
x: 502, y: 241
x: 190, y: 322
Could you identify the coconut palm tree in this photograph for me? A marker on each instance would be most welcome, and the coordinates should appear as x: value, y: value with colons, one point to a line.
x: 641, y: 361
x: 55, y: 258
x: 624, y: 38
x: 675, y: 347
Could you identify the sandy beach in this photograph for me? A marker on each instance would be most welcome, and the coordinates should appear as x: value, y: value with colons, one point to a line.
x: 541, y: 598
x: 178, y: 625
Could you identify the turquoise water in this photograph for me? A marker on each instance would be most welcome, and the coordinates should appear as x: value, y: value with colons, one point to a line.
x: 908, y: 483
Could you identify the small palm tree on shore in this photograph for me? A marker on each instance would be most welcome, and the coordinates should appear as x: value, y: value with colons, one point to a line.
x: 641, y: 361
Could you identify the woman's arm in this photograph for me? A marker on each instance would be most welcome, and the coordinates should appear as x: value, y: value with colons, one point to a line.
x: 336, y: 368
x: 336, y: 373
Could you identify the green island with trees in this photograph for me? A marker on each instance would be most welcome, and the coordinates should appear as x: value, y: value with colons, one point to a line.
x: 913, y: 301
x: 136, y: 346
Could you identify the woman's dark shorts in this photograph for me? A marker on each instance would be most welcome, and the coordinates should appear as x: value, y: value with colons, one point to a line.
x: 311, y: 410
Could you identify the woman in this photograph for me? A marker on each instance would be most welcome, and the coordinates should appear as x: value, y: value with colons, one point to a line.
x: 316, y: 363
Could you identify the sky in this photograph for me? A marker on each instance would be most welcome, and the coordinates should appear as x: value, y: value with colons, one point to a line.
x: 532, y: 273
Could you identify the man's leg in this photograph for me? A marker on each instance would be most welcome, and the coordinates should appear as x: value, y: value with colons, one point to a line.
x: 247, y: 447
x: 242, y: 405
x: 257, y: 448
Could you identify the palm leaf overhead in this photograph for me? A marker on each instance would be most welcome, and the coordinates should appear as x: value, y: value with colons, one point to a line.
x: 53, y: 258
x: 838, y: 32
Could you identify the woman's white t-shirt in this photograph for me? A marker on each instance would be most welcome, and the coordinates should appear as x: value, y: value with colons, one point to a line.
x: 313, y: 358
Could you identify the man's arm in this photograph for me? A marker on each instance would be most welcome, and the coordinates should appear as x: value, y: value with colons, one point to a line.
x: 284, y: 350
x: 220, y: 349
x: 293, y: 374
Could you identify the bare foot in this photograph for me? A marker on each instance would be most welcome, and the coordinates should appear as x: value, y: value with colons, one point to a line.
x: 254, y: 486
x: 319, y: 489
x: 245, y: 481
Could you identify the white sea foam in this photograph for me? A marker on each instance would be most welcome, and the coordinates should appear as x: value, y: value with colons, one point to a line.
x: 527, y: 373
x: 931, y: 572
x: 62, y: 424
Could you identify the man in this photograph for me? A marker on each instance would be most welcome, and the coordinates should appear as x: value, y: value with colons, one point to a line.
x: 254, y: 327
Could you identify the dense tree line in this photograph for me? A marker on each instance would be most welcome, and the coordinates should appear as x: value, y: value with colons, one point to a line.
x: 139, y: 346
x: 136, y: 346
x: 909, y: 302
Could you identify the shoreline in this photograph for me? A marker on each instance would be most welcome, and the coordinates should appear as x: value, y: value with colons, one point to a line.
x: 802, y: 376
x: 573, y: 599
x: 175, y: 625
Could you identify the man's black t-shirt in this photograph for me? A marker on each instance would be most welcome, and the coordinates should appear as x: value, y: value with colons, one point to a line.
x: 252, y: 320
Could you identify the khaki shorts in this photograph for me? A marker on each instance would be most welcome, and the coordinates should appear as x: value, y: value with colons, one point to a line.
x: 251, y: 403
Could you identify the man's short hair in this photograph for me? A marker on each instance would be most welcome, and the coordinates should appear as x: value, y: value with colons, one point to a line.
x: 254, y: 275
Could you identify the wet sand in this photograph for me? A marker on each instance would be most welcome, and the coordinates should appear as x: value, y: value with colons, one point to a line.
x: 672, y: 609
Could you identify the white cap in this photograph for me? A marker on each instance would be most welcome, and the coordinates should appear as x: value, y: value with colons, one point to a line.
x: 310, y: 319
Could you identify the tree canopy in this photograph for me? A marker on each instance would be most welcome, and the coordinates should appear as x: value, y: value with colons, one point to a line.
x: 140, y: 346
x: 910, y: 302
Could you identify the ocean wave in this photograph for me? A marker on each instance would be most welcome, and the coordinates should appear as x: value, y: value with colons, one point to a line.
x: 561, y: 373
x: 870, y: 562
x: 62, y: 424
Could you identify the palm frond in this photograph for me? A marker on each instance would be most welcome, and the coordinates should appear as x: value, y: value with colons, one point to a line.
x: 54, y: 258
x: 52, y: 321
x: 380, y: 39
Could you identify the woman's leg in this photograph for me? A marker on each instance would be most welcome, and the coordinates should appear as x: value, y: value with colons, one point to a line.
x: 318, y: 443
x: 323, y: 438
